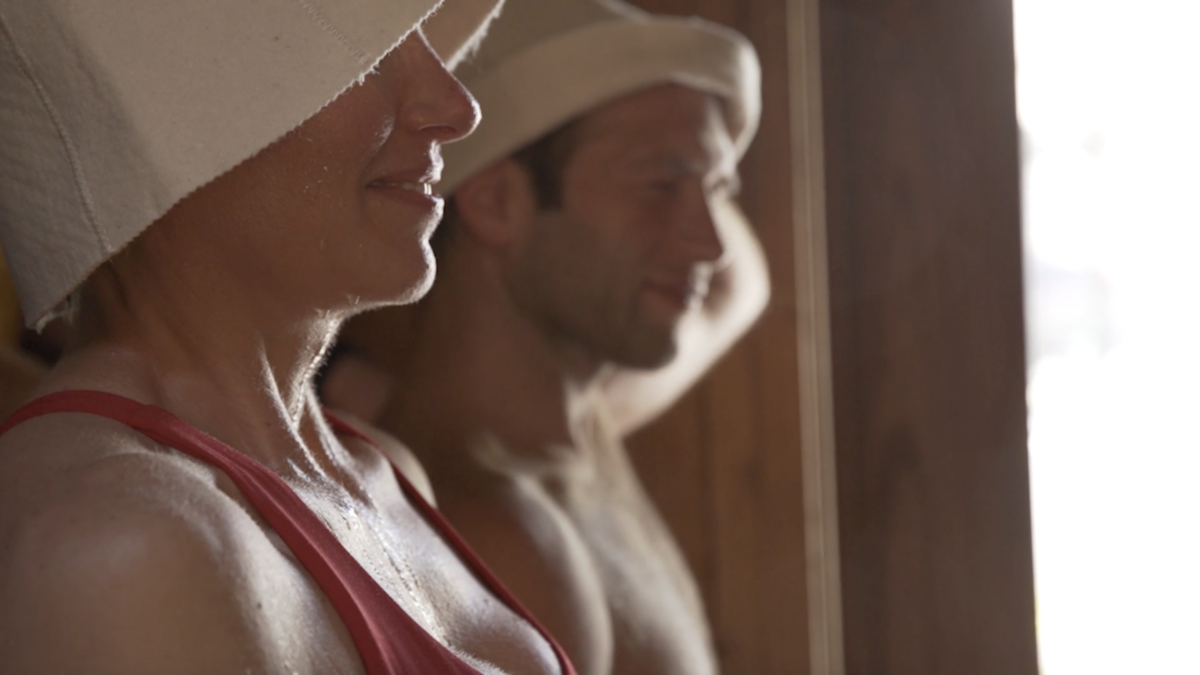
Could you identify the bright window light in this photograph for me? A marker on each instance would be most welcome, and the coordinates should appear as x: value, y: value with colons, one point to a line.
x: 1109, y: 106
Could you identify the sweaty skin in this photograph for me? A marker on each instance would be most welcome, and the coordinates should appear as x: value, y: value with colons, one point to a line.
x: 552, y: 334
x: 579, y: 539
x: 118, y: 555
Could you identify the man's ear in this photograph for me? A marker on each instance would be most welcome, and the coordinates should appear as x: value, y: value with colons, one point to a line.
x: 496, y: 204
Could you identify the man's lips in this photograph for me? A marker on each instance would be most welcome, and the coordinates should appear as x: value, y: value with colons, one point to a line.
x: 678, y: 295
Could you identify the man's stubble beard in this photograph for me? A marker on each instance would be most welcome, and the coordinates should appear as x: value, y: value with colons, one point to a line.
x: 636, y: 343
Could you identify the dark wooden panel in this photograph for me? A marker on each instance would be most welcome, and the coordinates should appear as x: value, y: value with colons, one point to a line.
x: 740, y: 517
x: 925, y: 274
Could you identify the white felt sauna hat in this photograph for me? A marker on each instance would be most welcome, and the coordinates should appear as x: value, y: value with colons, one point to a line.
x: 547, y: 61
x: 113, y: 111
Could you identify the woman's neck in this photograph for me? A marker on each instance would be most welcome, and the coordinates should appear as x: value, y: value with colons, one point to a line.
x: 240, y: 374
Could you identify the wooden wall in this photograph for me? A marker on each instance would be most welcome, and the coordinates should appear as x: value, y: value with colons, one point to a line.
x: 724, y: 464
x: 922, y: 189
x: 920, y: 185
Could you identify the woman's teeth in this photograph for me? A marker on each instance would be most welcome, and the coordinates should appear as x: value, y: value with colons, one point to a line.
x: 423, y: 188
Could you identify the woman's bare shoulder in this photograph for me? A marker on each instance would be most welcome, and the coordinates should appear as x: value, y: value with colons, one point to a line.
x: 116, y: 554
x: 75, y: 456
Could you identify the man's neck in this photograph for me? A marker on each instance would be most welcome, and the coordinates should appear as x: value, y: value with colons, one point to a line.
x: 474, y: 367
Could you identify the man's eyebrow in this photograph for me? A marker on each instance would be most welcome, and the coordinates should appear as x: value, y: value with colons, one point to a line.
x: 728, y: 181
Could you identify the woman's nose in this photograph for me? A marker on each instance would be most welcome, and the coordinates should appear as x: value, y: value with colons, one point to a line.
x: 435, y: 104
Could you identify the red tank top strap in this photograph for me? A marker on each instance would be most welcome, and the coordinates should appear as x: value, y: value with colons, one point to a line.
x: 388, y: 640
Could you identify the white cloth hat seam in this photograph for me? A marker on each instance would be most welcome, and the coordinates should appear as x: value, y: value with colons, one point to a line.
x: 321, y: 20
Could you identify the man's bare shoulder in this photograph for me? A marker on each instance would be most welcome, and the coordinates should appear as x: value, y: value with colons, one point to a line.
x: 119, y: 556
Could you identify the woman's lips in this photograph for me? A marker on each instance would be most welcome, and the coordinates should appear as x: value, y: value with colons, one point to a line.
x: 415, y: 193
x: 423, y: 188
x: 412, y: 184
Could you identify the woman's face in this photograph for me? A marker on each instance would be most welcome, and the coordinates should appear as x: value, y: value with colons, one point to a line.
x: 336, y: 215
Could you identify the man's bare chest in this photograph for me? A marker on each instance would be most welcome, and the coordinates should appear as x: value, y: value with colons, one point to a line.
x: 658, y: 619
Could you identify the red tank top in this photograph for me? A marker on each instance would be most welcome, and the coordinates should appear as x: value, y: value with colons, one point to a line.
x: 388, y: 640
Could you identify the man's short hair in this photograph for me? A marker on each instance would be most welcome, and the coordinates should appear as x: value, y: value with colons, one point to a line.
x: 544, y: 160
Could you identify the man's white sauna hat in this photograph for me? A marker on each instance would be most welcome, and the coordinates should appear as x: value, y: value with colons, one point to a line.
x: 546, y: 62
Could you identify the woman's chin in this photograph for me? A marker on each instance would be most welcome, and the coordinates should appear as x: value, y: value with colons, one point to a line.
x: 398, y: 292
x: 420, y: 289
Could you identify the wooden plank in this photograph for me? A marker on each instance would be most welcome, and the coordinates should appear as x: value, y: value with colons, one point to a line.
x: 928, y: 341
x: 743, y: 421
x: 814, y: 338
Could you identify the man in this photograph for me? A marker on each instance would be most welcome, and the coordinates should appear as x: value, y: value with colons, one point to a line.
x: 592, y: 267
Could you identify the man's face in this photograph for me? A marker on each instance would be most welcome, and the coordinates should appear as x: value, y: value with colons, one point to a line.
x: 634, y: 243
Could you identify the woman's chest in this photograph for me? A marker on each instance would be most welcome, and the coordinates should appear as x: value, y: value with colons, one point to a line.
x: 412, y: 562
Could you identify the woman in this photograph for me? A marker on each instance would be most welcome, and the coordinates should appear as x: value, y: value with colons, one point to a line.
x: 228, y: 183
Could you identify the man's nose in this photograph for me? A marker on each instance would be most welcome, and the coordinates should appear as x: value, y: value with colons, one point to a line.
x: 702, y: 232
